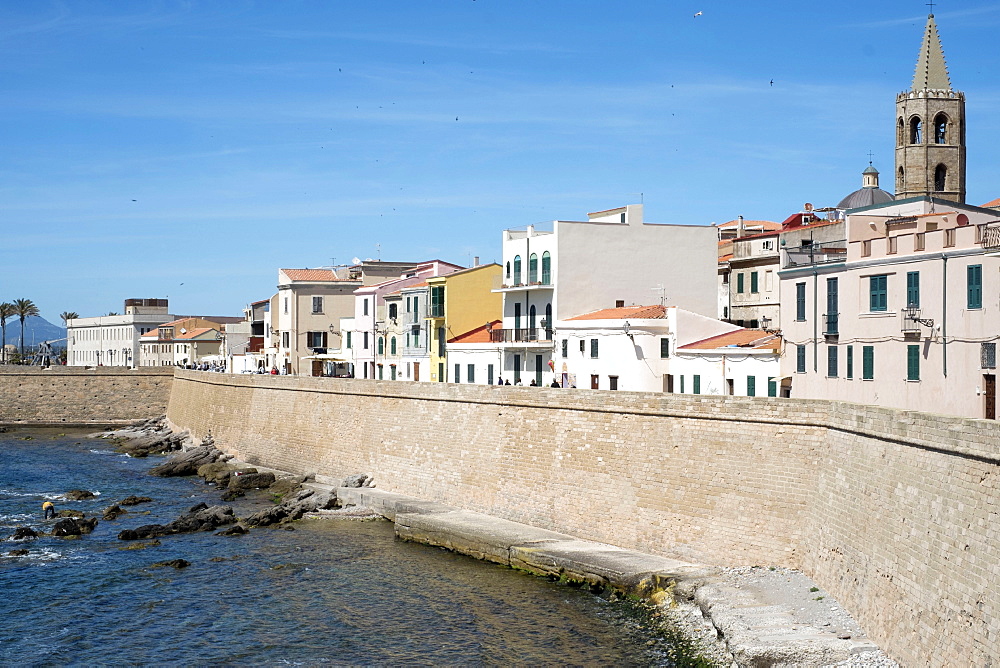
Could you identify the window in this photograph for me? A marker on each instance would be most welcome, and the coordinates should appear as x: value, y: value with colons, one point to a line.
x: 593, y: 348
x: 583, y: 345
x: 546, y: 268
x: 975, y: 284
x: 940, y: 129
x: 416, y: 337
x: 754, y: 284
x: 850, y: 362
x: 364, y: 307
x: 508, y: 269
x: 832, y: 307
x: 364, y: 343
x: 831, y: 362
x: 900, y: 132
x: 348, y: 344
x: 988, y: 355
x: 800, y: 301
x: 458, y: 373
x: 533, y: 268
x: 317, y: 305
x: 517, y: 315
x: 407, y: 304
x: 664, y: 348
x: 696, y: 384
x: 416, y: 305
x: 380, y: 372
x: 919, y: 241
x: 949, y: 238
x: 440, y: 372
x: 612, y: 382
x: 892, y: 245
x: 471, y: 373
x: 284, y: 340
x: 767, y: 244
x: 877, y: 293
x: 316, y: 339
x: 913, y: 362
x: 392, y: 346
x: 800, y: 359
x: 517, y: 270
x: 394, y: 310
x: 867, y: 362
x: 565, y: 348
x: 381, y: 346
x: 772, y: 387
x: 940, y: 177
x: 392, y: 372
x: 682, y: 385
x: 489, y: 374
x: 739, y: 283
x: 769, y: 281
x: 442, y: 341
x: 286, y: 305
x: 751, y: 386
x: 913, y: 289
x: 915, y: 130
x: 437, y: 299
x: 866, y: 246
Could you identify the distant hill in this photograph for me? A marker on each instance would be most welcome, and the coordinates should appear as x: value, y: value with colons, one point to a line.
x: 36, y: 330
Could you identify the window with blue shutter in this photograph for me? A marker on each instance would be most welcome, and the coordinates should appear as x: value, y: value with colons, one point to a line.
x: 696, y: 384
x: 800, y: 359
x: 772, y: 387
x: 753, y: 283
x: 739, y: 283
x: 975, y: 281
x: 664, y: 348
x: 913, y: 362
x: 751, y: 386
x: 913, y: 289
x: 850, y: 362
x: 832, y: 366
x: 877, y: 293
x: 832, y: 307
x: 867, y: 362
x: 800, y: 301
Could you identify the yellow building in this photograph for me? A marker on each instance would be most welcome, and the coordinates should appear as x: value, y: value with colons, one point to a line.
x: 459, y: 303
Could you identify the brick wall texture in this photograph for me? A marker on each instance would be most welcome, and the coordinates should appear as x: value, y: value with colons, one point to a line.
x: 893, y: 512
x: 77, y: 395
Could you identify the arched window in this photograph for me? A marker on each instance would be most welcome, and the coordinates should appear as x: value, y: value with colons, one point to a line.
x: 546, y: 268
x: 508, y: 269
x: 392, y: 346
x: 940, y: 177
x: 915, y: 130
x: 533, y: 268
x: 517, y: 270
x: 381, y: 346
x: 531, y: 317
x: 900, y: 131
x: 548, y: 321
x: 941, y: 129
x: 899, y: 181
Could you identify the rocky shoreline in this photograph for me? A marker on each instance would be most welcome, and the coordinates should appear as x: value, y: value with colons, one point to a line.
x: 736, y: 616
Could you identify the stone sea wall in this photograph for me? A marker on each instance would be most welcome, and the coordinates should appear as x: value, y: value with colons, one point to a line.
x: 893, y: 512
x: 81, y: 396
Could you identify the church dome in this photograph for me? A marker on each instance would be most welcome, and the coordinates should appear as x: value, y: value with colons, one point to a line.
x: 869, y: 194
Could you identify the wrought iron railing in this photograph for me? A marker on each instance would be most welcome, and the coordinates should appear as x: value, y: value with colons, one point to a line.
x: 831, y: 324
x: 529, y: 335
x: 815, y: 253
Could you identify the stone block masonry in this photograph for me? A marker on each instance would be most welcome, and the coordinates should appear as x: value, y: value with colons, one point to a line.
x: 81, y: 396
x: 895, y: 513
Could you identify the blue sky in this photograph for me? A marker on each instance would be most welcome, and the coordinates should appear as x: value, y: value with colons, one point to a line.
x: 190, y: 149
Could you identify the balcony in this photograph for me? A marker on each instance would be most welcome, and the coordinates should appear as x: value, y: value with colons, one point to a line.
x: 435, y: 311
x: 990, y: 238
x: 825, y: 252
x: 911, y: 321
x: 530, y: 335
x: 509, y: 285
x: 831, y: 324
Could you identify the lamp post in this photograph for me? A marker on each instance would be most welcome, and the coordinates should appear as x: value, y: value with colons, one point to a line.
x: 98, y: 354
x: 126, y: 356
x: 111, y: 357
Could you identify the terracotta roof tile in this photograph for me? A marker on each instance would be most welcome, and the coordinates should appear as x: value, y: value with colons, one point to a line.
x: 637, y: 312
x: 741, y: 338
x: 311, y: 275
x: 992, y: 203
x: 192, y: 333
x: 768, y: 225
x: 480, y: 334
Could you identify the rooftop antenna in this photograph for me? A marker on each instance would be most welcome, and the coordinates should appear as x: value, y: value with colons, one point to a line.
x: 663, y: 294
x: 378, y: 252
x: 640, y: 197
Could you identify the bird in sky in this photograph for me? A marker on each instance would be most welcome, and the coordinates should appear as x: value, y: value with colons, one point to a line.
x: 698, y: 14
x: 772, y: 82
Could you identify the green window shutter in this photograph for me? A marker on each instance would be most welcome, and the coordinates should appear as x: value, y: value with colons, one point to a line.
x: 546, y: 268
x: 664, y: 348
x: 381, y: 346
x: 392, y: 346
x: 751, y: 386
x: 913, y: 289
x: 593, y: 347
x: 472, y: 373
x: 800, y: 301
x: 850, y: 362
x: 772, y: 387
x: 975, y: 281
x: 739, y: 283
x: 753, y: 282
x: 800, y: 359
x: 832, y: 366
x: 878, y: 297
x: 458, y: 373
x: 682, y: 384
x: 565, y: 348
x: 867, y: 362
x: 696, y: 384
x: 913, y: 362
x: 348, y: 339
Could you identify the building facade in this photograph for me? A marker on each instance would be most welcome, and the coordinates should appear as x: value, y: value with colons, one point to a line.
x: 113, y: 340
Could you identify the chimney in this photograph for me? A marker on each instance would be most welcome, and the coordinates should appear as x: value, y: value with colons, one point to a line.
x: 475, y: 261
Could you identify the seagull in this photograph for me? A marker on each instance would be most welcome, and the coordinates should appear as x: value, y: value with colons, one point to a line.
x: 772, y: 82
x: 698, y: 14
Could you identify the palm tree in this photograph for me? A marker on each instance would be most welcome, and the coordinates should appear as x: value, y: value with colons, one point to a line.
x: 6, y: 311
x: 24, y: 309
x: 67, y: 316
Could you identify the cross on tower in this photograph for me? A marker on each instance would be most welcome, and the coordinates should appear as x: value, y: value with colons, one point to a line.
x: 931, y: 5
x: 869, y: 157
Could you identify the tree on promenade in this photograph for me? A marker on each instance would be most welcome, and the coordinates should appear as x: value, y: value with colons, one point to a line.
x: 24, y: 309
x: 6, y: 311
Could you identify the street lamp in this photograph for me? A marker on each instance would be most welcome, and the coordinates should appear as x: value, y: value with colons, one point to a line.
x: 126, y: 356
x: 111, y: 357
x: 98, y: 353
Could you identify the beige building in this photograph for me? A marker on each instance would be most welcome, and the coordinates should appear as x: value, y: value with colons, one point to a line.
x: 113, y: 340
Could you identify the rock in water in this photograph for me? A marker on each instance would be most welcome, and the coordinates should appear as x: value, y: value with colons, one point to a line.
x: 78, y: 495
x: 235, y: 530
x: 112, y: 512
x: 73, y: 527
x: 203, y: 519
x: 250, y: 481
x: 187, y: 463
x: 134, y: 500
x: 24, y: 533
x: 173, y: 563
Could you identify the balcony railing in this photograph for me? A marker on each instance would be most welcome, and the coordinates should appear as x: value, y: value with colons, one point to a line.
x: 831, y: 324
x: 435, y: 311
x: 990, y: 239
x: 513, y: 283
x: 529, y: 335
x: 815, y: 253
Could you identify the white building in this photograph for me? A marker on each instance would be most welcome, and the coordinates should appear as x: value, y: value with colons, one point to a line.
x: 113, y: 340
x: 475, y: 358
x: 612, y: 259
x: 626, y: 348
x: 744, y: 362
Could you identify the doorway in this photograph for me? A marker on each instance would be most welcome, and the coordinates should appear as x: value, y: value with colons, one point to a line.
x: 990, y: 390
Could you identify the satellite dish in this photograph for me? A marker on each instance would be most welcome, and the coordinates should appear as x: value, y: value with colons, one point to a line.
x: 183, y: 330
x: 355, y: 260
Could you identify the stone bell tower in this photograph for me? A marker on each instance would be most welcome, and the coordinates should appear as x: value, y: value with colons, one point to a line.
x: 930, y: 129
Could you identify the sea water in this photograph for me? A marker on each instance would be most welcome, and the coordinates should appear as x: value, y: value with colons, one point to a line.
x: 332, y: 591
